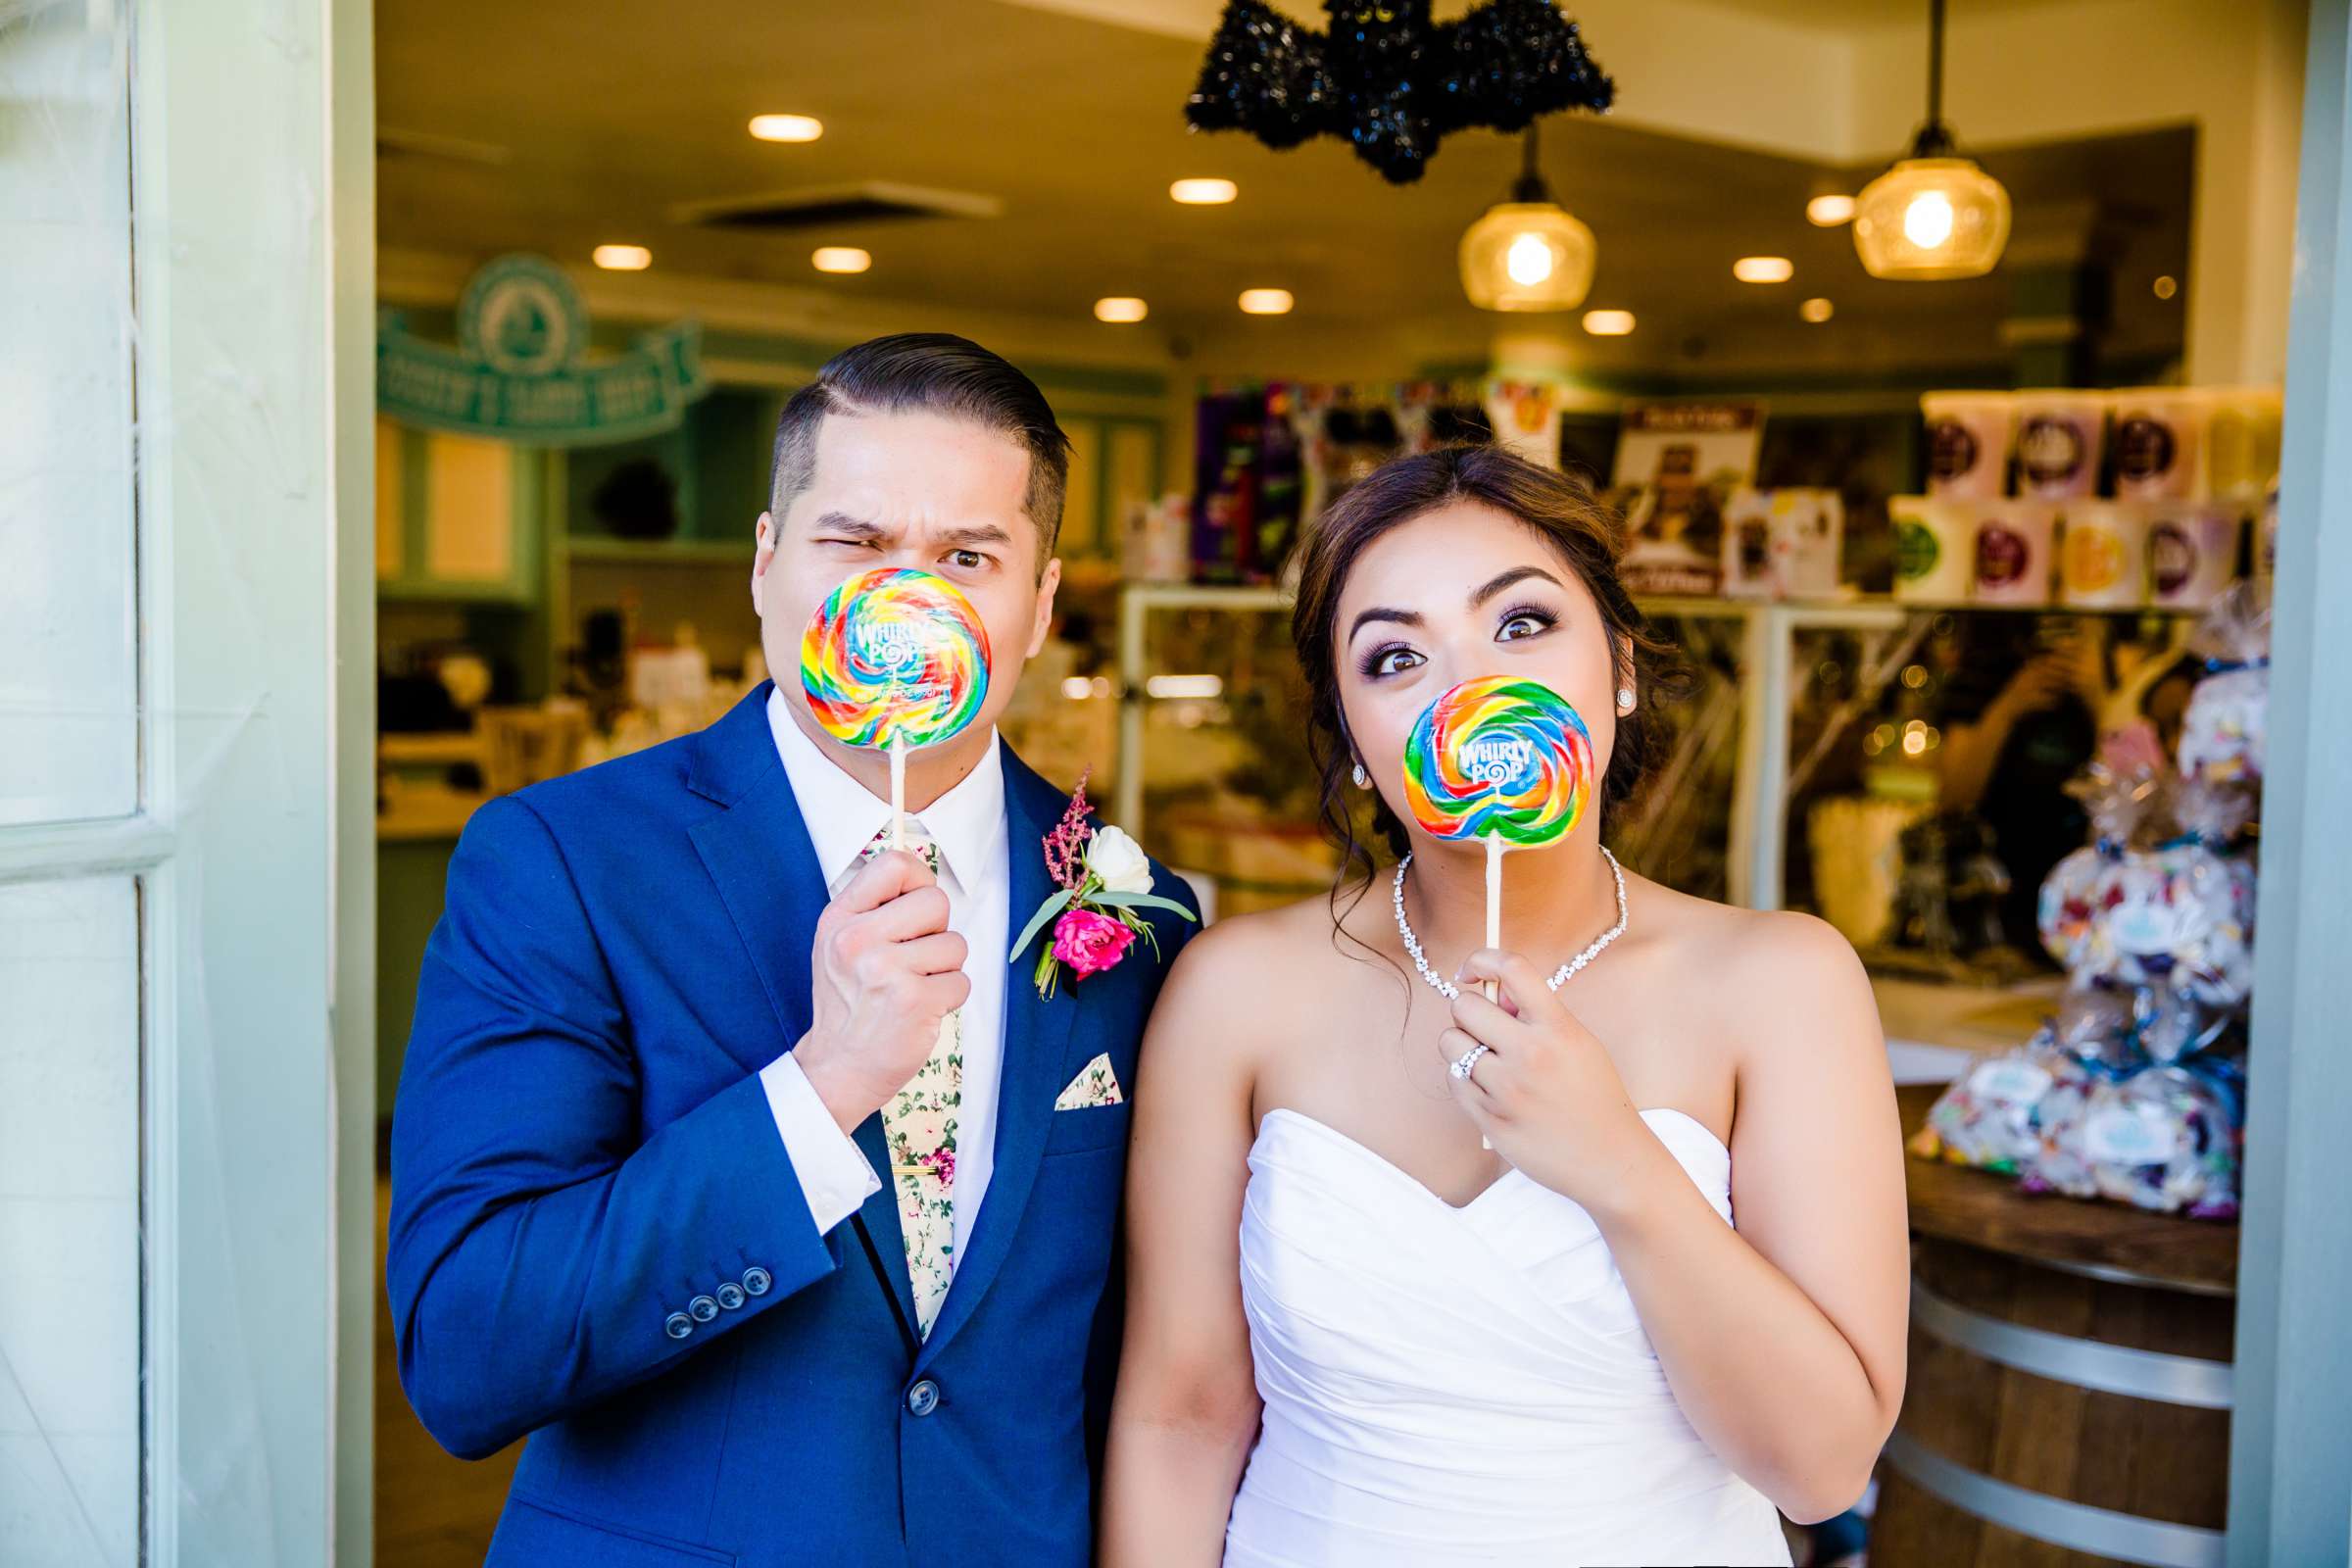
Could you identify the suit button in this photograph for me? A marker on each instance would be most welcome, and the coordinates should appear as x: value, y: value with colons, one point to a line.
x: 703, y: 1309
x: 922, y: 1398
x: 730, y: 1296
x: 756, y: 1281
x: 677, y: 1325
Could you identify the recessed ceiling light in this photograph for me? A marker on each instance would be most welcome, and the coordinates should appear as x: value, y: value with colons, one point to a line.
x: 1816, y: 310
x: 1608, y: 323
x: 1120, y: 309
x: 621, y: 258
x: 1828, y: 212
x: 1204, y: 192
x: 841, y: 259
x: 2167, y: 286
x: 1763, y: 269
x: 1266, y: 301
x: 787, y: 127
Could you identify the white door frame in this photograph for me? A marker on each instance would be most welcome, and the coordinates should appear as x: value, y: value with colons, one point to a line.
x: 252, y: 175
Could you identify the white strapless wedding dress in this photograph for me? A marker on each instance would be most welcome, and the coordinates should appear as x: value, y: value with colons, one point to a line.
x: 1450, y: 1386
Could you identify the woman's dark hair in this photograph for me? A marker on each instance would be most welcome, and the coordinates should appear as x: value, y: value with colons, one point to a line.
x: 1558, y: 508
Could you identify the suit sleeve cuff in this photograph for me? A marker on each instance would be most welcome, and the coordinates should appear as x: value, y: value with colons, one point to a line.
x: 835, y: 1176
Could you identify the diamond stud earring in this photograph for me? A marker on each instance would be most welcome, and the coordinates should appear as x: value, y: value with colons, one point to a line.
x: 1625, y: 699
x: 1364, y: 780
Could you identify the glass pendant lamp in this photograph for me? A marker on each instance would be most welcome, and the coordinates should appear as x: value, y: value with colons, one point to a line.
x: 1935, y: 214
x: 1529, y: 253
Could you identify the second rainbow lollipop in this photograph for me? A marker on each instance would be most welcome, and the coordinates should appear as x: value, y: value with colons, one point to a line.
x: 1503, y: 759
x: 894, y: 660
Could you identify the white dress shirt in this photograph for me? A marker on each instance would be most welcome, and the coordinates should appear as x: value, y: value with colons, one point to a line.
x: 975, y: 870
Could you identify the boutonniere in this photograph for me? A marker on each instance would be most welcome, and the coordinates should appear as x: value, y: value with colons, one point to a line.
x: 1104, y: 882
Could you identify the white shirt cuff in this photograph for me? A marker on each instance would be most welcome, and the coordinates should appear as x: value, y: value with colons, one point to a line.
x: 835, y: 1175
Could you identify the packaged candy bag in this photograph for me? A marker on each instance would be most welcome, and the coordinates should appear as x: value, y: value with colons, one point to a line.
x: 1987, y: 1119
x: 2118, y: 802
x: 2225, y: 727
x: 2164, y: 1139
x: 2180, y: 916
x: 2057, y: 1162
x: 2169, y: 1025
x: 2094, y: 1025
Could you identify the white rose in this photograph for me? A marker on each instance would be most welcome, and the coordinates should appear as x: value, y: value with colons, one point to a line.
x: 1119, y: 862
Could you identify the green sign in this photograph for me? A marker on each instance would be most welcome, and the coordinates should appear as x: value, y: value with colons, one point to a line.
x: 521, y: 370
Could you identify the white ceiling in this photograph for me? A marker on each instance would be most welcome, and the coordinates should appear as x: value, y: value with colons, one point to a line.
x: 606, y: 115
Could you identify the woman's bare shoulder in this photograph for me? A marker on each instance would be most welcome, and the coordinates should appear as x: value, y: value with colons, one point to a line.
x: 1772, y: 972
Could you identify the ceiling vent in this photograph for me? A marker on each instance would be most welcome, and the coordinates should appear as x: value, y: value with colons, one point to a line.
x: 834, y: 207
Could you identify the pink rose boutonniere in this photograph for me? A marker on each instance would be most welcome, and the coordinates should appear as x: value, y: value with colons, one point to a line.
x: 1103, y: 887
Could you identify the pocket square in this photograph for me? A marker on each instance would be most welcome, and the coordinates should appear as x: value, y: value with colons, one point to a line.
x: 1094, y: 1085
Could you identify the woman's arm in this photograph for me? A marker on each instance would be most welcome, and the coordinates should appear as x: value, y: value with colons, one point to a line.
x: 1783, y: 1340
x: 1186, y: 1410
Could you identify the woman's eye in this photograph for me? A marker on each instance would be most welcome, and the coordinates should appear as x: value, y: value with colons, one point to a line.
x: 1524, y: 623
x: 1390, y: 661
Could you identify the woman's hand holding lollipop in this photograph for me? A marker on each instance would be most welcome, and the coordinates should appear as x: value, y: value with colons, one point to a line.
x: 1545, y: 1093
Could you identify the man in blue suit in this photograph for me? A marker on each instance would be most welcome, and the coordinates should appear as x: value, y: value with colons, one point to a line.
x: 733, y: 1163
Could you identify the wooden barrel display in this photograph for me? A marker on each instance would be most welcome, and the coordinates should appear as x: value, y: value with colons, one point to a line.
x: 2069, y: 1383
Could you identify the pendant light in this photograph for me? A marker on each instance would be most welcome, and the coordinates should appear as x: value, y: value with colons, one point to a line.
x: 1935, y: 214
x: 1529, y: 253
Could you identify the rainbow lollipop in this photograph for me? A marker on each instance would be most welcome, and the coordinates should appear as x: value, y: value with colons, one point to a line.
x: 893, y: 660
x: 1499, y: 758
x: 1502, y: 760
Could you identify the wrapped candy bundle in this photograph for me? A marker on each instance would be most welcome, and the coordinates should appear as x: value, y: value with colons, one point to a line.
x: 2166, y: 1139
x: 1987, y: 1118
x: 2118, y: 803
x: 2180, y: 916
x: 2226, y: 726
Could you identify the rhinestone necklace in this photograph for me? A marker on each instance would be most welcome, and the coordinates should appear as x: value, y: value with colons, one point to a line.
x: 1560, y: 976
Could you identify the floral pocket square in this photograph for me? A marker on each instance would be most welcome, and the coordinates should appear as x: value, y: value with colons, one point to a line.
x: 1094, y: 1085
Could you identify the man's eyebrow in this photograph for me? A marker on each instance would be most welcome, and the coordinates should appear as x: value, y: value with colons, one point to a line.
x: 842, y: 522
x: 1502, y: 581
x: 1403, y: 617
x: 976, y: 533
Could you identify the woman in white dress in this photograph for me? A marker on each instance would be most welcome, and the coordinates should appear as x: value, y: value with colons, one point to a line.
x: 1669, y: 1300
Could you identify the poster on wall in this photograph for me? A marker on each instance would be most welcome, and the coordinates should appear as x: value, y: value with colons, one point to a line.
x: 1678, y: 466
x: 520, y: 370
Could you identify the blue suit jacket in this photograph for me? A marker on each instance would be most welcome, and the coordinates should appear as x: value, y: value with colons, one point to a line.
x: 582, y: 1149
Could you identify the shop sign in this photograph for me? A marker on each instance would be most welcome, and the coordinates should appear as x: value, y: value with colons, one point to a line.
x: 521, y: 370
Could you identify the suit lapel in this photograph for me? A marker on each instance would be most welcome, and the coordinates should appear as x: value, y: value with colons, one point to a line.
x: 1037, y: 1036
x: 759, y: 854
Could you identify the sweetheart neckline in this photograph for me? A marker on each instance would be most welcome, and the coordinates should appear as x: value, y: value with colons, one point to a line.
x: 1431, y: 1193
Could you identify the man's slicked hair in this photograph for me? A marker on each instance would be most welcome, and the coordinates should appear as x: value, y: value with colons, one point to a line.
x: 933, y: 372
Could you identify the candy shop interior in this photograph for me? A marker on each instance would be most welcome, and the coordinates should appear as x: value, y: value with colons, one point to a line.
x: 1932, y: 359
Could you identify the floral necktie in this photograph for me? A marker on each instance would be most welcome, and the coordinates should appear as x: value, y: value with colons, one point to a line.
x: 920, y: 1126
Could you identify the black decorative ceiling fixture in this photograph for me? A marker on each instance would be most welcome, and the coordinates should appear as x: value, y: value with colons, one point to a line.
x: 1389, y: 79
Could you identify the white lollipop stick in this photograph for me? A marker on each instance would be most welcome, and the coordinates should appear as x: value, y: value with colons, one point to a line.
x: 898, y: 792
x: 1493, y: 924
x: 1493, y: 905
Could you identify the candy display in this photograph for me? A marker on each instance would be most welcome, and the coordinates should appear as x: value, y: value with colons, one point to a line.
x: 2133, y: 1089
x: 1967, y: 444
x: 2058, y: 433
x: 1934, y: 549
x: 2192, y: 553
x: 2241, y: 441
x: 895, y: 659
x: 2104, y: 558
x: 2013, y: 552
x: 2159, y: 442
x: 1498, y: 757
